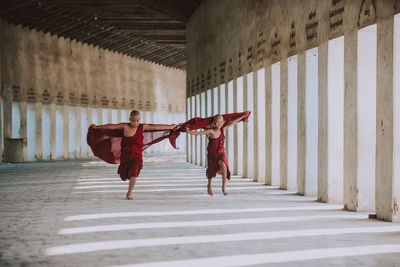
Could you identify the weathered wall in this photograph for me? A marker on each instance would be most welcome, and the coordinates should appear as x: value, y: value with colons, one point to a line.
x: 53, y: 88
x: 228, y: 38
x: 42, y: 67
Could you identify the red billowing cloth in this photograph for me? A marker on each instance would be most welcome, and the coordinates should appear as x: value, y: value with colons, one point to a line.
x: 200, y: 123
x: 215, y: 153
x: 107, y: 144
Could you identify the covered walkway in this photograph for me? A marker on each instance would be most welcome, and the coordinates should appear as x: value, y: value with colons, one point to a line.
x: 73, y: 214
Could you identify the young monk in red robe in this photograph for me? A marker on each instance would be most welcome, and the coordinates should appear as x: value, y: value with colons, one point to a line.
x: 124, y: 143
x: 217, y: 162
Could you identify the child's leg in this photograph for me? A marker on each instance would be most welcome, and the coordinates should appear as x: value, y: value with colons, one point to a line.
x: 224, y: 175
x: 132, y: 182
x: 209, y: 188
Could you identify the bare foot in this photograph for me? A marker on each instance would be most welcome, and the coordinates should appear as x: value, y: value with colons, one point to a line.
x: 224, y: 192
x: 128, y: 197
x: 209, y: 189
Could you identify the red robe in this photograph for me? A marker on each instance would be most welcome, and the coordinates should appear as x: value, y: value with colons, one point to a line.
x: 109, y: 145
x: 215, y: 153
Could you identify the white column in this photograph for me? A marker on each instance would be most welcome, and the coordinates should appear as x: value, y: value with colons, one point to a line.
x: 38, y: 131
x: 230, y: 145
x: 311, y: 182
x: 238, y: 128
x: 268, y: 125
x: 248, y: 170
x: 292, y: 125
x: 23, y: 107
x: 255, y: 116
x: 275, y: 123
x: 65, y: 133
x: 92, y: 118
x: 78, y: 130
x: 301, y: 123
x: 260, y: 122
x: 330, y: 117
x: 203, y: 152
x: 7, y: 109
x: 198, y: 144
x: 188, y: 139
x: 192, y: 137
x: 283, y: 148
x: 359, y: 119
x: 30, y: 132
x: 209, y: 96
x: 47, y: 132
x: 84, y: 128
x: 54, y: 113
x: 388, y: 121
x: 1, y: 129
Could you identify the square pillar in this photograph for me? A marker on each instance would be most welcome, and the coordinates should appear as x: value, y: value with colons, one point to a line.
x: 192, y: 137
x: 66, y: 135
x: 311, y: 181
x: 259, y: 119
x: 78, y: 131
x: 268, y: 125
x: 229, y: 143
x: 7, y: 109
x: 38, y: 130
x: 283, y: 150
x: 238, y: 128
x: 53, y: 131
x: 359, y: 119
x: 23, y: 107
x: 248, y: 145
x: 387, y: 172
x: 188, y: 143
x: 197, y: 137
x: 330, y: 121
x: 275, y: 123
x: 301, y: 123
x: 292, y: 124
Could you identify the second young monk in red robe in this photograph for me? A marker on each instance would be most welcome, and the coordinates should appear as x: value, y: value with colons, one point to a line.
x: 131, y: 145
x: 217, y: 162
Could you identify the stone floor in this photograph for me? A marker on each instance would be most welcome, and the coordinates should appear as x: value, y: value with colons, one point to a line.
x: 73, y: 214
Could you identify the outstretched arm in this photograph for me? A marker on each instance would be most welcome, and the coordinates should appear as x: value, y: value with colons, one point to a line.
x: 237, y: 120
x: 108, y: 126
x: 197, y: 133
x: 158, y: 127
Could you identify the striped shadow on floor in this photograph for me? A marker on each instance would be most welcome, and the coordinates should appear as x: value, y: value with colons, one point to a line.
x: 199, y: 212
x: 200, y: 239
x: 276, y: 257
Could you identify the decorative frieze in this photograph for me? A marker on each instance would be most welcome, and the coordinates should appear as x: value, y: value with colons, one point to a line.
x: 367, y: 14
x: 30, y: 95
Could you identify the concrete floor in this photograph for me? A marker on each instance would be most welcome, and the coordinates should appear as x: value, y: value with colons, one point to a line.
x: 73, y: 214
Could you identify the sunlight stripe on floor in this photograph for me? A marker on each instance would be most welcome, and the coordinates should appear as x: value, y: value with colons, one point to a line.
x: 198, y: 212
x: 199, y: 239
x: 276, y: 257
x: 203, y: 223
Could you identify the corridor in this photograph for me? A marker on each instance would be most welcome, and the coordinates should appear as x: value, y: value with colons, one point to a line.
x: 72, y: 213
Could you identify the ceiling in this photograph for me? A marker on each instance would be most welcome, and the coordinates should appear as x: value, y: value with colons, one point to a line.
x: 153, y: 30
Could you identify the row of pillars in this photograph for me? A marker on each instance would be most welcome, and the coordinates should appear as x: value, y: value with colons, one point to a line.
x: 50, y: 131
x: 325, y: 122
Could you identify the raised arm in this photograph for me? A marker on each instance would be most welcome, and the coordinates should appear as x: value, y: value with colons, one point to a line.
x: 109, y: 126
x: 197, y: 133
x: 158, y: 127
x: 237, y: 120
